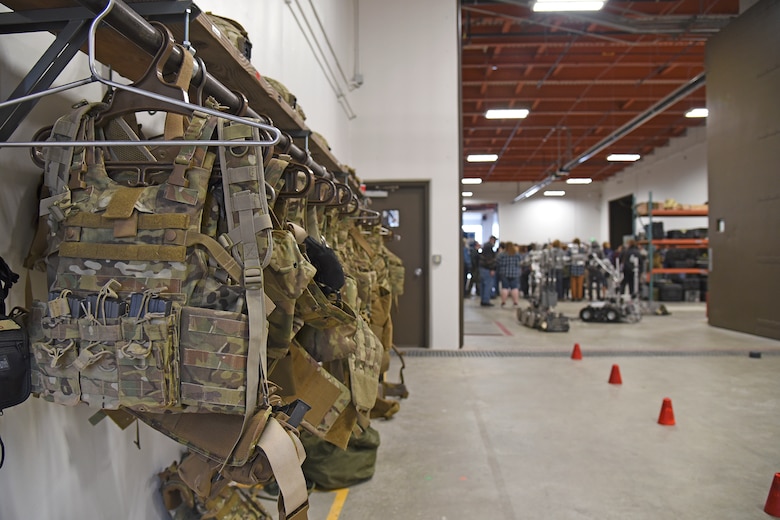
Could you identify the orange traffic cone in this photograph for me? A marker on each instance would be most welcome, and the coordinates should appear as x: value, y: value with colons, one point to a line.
x: 772, y: 506
x: 576, y: 353
x: 667, y: 414
x: 614, y: 376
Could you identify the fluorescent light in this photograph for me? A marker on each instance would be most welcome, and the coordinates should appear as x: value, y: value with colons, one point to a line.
x: 554, y: 193
x: 506, y: 113
x: 487, y: 157
x: 467, y: 193
x: 578, y: 180
x: 568, y: 5
x: 471, y: 180
x: 626, y: 157
x: 697, y: 112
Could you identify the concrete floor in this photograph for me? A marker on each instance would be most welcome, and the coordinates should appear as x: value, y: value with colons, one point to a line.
x: 510, y: 427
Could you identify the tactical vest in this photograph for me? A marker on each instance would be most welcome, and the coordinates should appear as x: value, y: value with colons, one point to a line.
x: 146, y: 311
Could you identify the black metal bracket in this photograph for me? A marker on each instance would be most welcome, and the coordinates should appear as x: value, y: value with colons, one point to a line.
x: 72, y: 28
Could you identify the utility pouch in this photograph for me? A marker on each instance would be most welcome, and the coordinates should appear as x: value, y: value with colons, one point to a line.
x: 15, y: 384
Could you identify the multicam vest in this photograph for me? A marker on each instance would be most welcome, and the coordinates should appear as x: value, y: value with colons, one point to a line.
x: 146, y: 310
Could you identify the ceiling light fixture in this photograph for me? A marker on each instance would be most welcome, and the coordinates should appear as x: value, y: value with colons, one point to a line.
x: 567, y: 5
x: 487, y: 157
x: 697, y: 112
x: 507, y: 113
x: 471, y: 180
x: 623, y: 157
x: 579, y: 180
x: 554, y: 193
x: 467, y: 193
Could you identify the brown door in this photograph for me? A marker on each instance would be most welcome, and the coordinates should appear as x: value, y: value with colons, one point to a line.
x: 404, y: 206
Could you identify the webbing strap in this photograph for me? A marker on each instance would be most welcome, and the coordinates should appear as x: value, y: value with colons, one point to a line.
x: 59, y: 160
x: 242, y: 203
x: 126, y: 252
x: 145, y: 221
x: 285, y: 455
x: 222, y: 257
x: 362, y: 242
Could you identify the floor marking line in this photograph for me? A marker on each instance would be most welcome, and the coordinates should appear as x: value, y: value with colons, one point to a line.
x: 503, y: 329
x: 338, y: 504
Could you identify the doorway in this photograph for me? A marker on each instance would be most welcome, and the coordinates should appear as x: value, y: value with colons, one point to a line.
x: 621, y: 220
x: 404, y: 208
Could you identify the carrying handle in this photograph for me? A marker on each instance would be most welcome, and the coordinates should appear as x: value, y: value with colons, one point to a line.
x: 323, y: 193
x: 292, y: 174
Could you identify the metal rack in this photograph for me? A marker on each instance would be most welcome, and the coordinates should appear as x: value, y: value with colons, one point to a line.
x: 128, y: 45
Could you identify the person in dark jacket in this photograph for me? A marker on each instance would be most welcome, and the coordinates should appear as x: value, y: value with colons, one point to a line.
x: 487, y: 271
x: 631, y: 265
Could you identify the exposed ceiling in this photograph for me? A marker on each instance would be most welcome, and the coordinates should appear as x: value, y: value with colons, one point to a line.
x: 623, y: 77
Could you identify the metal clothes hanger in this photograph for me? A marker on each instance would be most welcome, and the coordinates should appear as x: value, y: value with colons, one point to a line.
x: 275, y: 133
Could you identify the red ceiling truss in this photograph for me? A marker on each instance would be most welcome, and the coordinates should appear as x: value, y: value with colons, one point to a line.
x: 583, y: 76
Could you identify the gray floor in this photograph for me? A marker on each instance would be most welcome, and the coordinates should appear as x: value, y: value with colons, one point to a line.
x: 511, y: 427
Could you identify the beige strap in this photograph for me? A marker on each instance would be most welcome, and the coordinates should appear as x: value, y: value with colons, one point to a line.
x: 126, y: 252
x: 285, y: 454
x: 219, y: 253
x: 243, y: 207
x: 362, y: 242
x: 145, y: 221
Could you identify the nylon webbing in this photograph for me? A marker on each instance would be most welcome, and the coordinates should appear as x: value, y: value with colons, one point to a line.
x: 242, y: 203
x: 150, y: 221
x: 126, y: 252
x: 285, y: 455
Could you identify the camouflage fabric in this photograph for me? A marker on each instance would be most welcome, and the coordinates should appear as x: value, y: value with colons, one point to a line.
x: 364, y: 368
x: 287, y: 277
x: 234, y: 32
x: 287, y: 96
x: 213, y: 351
x: 126, y: 242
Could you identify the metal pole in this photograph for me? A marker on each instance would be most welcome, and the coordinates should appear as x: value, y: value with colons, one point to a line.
x: 129, y: 23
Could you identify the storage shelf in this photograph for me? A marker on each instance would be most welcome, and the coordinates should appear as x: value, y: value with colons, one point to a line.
x: 680, y: 270
x: 681, y: 243
x: 675, y: 213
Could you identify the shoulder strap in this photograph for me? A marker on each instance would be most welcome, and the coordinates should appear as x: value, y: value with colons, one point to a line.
x: 248, y: 220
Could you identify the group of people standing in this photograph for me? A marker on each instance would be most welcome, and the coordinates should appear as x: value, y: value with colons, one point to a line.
x: 495, y: 271
x: 508, y: 270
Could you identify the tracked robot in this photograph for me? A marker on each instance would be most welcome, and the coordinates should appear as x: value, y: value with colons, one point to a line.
x: 614, y: 308
x: 540, y: 313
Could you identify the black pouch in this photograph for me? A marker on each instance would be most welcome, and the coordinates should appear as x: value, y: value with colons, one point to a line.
x: 15, y: 384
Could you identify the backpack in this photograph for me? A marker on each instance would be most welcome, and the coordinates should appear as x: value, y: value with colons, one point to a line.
x: 14, y: 347
x: 15, y: 385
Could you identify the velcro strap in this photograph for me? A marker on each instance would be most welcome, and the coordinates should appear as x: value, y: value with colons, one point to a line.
x: 246, y: 200
x: 216, y: 250
x: 126, y: 227
x: 242, y: 174
x: 237, y: 131
x: 261, y: 223
x: 145, y: 221
x: 127, y: 252
x: 122, y: 202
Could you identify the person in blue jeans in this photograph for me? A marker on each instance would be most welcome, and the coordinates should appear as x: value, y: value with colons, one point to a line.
x: 487, y: 271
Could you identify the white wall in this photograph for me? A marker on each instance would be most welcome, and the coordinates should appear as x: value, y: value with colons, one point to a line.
x: 407, y: 127
x: 542, y: 219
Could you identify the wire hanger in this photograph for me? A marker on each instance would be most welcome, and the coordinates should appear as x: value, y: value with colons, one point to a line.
x: 275, y: 133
